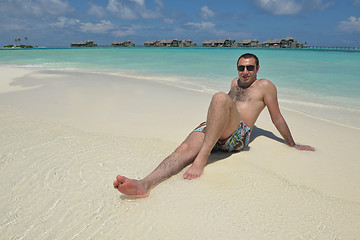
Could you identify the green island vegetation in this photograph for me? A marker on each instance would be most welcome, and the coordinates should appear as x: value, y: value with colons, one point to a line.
x: 18, y: 40
x: 20, y: 46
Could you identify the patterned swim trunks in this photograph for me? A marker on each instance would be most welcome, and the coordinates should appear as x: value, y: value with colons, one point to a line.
x: 238, y: 141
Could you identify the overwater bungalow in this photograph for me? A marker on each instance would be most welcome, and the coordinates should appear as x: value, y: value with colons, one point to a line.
x: 290, y: 42
x: 150, y: 43
x: 266, y: 43
x: 287, y: 42
x: 218, y: 43
x: 246, y: 43
x: 170, y: 43
x: 276, y: 43
x: 187, y: 43
x: 127, y: 43
x: 87, y: 43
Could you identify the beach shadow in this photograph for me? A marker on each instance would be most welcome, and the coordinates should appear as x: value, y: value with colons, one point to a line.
x: 218, y: 156
x: 257, y: 132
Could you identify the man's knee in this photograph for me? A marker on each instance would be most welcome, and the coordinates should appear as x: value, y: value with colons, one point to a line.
x: 192, y: 144
x: 183, y: 148
x: 221, y: 98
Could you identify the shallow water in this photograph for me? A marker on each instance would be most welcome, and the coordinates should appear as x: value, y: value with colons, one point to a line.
x: 325, y: 84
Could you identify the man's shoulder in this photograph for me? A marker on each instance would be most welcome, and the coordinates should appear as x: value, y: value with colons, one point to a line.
x: 264, y: 83
x: 264, y: 87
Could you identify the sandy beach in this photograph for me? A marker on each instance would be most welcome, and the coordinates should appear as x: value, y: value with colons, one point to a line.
x: 65, y: 135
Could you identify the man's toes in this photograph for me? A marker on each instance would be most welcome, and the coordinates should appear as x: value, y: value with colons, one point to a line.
x: 120, y: 179
x: 116, y: 184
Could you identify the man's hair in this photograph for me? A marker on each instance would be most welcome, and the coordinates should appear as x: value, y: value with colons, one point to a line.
x: 249, y: 55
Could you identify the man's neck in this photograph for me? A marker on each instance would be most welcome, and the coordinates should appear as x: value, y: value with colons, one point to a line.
x: 244, y: 87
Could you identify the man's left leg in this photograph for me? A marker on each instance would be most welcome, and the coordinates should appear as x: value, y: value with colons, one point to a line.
x: 174, y: 163
x: 222, y: 121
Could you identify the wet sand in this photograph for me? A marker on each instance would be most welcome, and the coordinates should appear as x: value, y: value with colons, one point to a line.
x: 66, y: 135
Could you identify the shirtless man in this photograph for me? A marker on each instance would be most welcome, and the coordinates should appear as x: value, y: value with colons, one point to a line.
x: 230, y: 120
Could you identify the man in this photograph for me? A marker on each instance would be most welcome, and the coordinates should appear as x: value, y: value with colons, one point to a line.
x: 230, y: 120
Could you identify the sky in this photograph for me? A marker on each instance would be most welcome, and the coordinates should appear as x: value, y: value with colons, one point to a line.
x: 52, y: 23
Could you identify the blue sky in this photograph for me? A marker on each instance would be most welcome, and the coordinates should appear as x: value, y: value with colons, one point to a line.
x: 58, y: 22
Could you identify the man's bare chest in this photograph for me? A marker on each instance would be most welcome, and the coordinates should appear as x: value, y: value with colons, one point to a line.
x: 241, y: 95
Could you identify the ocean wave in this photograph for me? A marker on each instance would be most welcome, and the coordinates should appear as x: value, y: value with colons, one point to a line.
x: 342, y: 115
x: 32, y: 66
x: 320, y: 105
x: 187, y: 83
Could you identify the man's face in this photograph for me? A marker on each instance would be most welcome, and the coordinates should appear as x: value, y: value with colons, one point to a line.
x: 247, y: 71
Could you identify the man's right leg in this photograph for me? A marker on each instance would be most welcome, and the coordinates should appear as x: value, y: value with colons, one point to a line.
x: 222, y: 121
x: 173, y: 164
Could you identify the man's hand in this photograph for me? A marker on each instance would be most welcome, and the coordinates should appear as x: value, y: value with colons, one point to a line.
x: 304, y: 147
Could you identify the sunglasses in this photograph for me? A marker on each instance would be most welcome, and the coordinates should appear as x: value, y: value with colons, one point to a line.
x: 248, y: 67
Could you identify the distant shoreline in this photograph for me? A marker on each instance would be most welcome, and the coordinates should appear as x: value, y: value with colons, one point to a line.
x: 313, y: 48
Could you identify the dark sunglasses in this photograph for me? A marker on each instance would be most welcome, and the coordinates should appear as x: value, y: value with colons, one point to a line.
x: 248, y: 67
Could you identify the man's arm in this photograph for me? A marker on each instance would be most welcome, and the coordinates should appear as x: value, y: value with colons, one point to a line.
x: 271, y: 101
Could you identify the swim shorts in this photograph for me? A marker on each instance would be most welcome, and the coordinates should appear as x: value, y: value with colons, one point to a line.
x: 238, y: 141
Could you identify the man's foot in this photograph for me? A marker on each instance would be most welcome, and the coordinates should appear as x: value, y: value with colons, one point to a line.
x: 194, y: 171
x: 130, y: 187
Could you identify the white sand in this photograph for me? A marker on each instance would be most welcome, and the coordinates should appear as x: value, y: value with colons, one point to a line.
x: 8, y: 75
x: 63, y: 143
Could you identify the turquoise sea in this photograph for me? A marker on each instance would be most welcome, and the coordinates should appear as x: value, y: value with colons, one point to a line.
x: 321, y: 83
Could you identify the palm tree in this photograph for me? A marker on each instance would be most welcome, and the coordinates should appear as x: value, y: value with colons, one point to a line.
x: 17, y: 40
